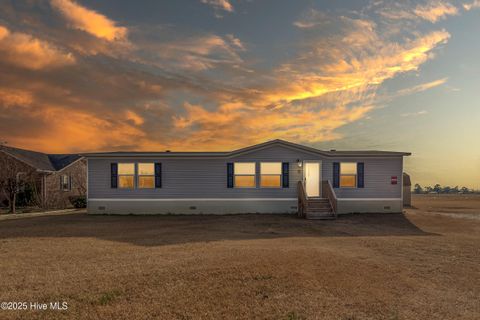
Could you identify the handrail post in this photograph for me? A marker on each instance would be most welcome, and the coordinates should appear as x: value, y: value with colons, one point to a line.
x: 302, y: 199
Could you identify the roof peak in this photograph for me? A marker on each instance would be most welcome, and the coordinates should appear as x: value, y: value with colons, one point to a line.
x: 40, y: 160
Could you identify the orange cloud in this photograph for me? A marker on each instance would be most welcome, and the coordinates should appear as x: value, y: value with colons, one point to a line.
x: 85, y: 131
x: 310, y: 98
x: 26, y: 51
x: 235, y: 125
x: 347, y: 72
x: 134, y: 118
x: 220, y: 4
x: 200, y: 53
x: 432, y: 10
x: 10, y: 98
x: 422, y: 87
x: 89, y: 20
x: 330, y: 83
x: 435, y: 10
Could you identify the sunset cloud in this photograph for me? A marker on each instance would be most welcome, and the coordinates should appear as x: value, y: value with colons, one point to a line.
x: 235, y: 120
x: 89, y: 20
x: 472, y: 5
x: 85, y: 131
x: 422, y: 87
x: 219, y: 4
x: 435, y: 10
x: 312, y: 18
x: 196, y: 53
x: 431, y: 10
x: 29, y: 52
x: 197, y: 90
x: 10, y: 98
x: 359, y: 59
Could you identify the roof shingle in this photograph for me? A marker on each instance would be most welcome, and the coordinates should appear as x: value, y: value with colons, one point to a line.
x: 39, y: 160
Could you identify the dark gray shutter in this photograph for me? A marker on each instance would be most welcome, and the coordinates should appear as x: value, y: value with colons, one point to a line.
x: 158, y: 175
x: 61, y: 182
x: 230, y: 175
x: 336, y: 174
x: 70, y: 183
x: 114, y: 175
x: 285, y: 174
x: 360, y: 175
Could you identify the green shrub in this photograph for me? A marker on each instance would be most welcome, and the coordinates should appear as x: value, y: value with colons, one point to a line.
x: 78, y: 201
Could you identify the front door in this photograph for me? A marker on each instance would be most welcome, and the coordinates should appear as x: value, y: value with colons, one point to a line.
x: 312, y: 178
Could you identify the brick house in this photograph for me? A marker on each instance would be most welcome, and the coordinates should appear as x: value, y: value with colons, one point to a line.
x: 54, y: 178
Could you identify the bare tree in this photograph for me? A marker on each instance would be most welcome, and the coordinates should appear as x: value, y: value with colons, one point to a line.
x: 13, y: 176
x: 78, y: 179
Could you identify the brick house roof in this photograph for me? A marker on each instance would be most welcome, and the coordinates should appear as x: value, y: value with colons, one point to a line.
x: 39, y: 160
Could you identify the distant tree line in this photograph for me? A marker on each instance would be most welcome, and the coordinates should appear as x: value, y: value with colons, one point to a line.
x: 418, y: 189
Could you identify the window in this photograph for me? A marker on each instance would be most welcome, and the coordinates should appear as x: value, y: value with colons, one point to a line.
x: 146, y: 175
x: 126, y: 175
x: 65, y: 183
x: 244, y: 174
x: 270, y: 174
x: 348, y: 174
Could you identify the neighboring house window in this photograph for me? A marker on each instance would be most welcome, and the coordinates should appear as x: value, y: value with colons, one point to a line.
x: 146, y: 175
x: 270, y: 174
x: 65, y: 184
x: 348, y: 174
x: 126, y: 175
x: 244, y: 174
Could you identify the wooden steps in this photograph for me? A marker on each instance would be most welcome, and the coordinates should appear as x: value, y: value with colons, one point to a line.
x: 319, y: 209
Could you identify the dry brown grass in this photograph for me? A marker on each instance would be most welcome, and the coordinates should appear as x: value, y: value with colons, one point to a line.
x: 421, y: 265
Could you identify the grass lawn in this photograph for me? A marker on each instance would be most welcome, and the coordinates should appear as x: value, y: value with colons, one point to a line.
x: 424, y: 264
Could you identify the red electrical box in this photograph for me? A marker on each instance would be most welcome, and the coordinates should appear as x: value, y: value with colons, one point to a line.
x: 394, y: 180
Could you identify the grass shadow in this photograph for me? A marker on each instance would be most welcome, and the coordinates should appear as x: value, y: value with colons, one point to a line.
x: 167, y: 230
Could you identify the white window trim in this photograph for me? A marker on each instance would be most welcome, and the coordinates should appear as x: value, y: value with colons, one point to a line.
x: 127, y: 175
x: 69, y: 183
x: 247, y: 175
x: 280, y: 175
x: 138, y: 175
x: 355, y: 175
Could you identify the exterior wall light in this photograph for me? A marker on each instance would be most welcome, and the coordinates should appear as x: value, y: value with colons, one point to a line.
x: 299, y: 163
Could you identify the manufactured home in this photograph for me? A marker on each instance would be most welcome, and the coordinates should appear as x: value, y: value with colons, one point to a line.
x: 272, y: 177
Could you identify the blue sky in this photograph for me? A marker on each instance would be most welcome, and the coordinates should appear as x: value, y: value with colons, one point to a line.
x: 223, y: 74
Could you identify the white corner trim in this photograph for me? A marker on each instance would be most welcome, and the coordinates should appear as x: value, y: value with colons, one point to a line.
x: 195, y: 199
x: 369, y: 199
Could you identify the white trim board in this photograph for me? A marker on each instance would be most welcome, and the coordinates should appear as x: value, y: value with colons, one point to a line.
x: 236, y: 199
x: 369, y: 199
x: 197, y: 199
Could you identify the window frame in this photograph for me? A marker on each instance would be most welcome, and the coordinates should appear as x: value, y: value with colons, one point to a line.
x: 68, y: 182
x: 126, y: 175
x: 138, y: 175
x: 354, y: 175
x: 245, y: 175
x: 271, y: 175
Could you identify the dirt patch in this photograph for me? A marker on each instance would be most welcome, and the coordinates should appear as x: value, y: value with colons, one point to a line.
x: 368, y: 266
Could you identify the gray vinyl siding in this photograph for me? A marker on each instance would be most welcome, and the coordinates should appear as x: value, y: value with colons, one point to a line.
x: 207, y: 177
x: 378, y: 173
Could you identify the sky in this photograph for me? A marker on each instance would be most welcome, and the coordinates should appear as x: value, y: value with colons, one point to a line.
x: 217, y: 75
